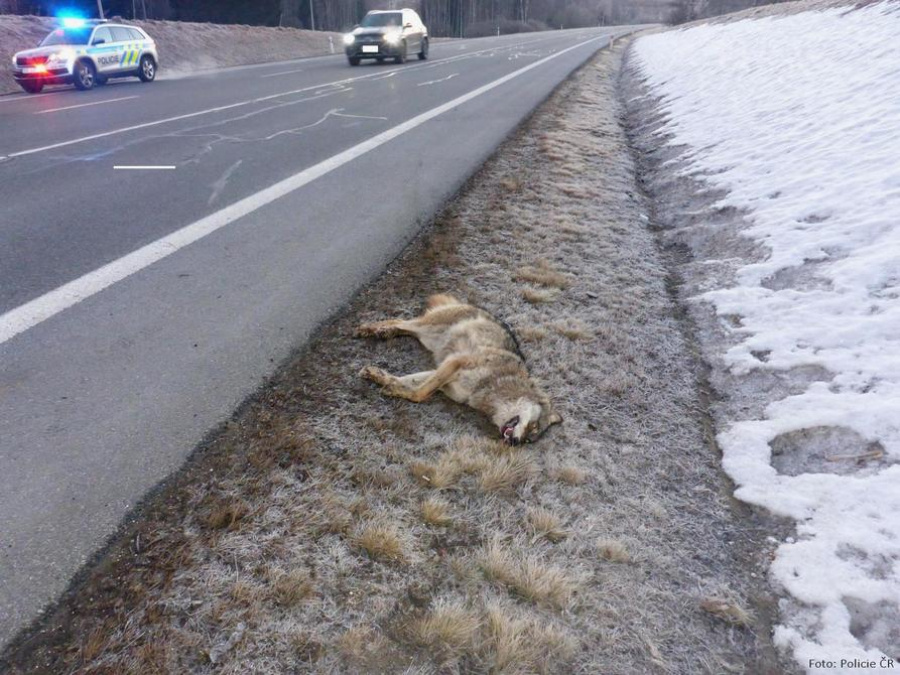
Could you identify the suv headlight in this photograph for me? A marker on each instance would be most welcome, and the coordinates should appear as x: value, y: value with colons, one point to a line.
x: 393, y: 38
x: 349, y: 39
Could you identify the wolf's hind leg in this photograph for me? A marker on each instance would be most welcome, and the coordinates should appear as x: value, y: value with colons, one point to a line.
x: 387, y: 329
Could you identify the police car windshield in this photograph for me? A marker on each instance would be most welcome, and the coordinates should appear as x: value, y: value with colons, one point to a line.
x: 381, y: 20
x: 67, y: 36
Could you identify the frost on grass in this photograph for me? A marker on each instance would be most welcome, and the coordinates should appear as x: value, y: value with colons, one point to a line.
x: 348, y: 532
x: 788, y: 157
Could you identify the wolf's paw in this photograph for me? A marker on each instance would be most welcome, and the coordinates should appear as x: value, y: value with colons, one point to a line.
x: 374, y: 374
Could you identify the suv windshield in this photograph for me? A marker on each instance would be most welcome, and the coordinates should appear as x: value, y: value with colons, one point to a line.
x: 67, y: 36
x: 382, y: 19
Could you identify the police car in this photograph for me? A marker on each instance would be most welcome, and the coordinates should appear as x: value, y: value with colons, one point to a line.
x: 86, y: 53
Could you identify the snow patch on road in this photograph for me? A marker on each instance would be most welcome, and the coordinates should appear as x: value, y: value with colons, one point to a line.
x: 798, y: 118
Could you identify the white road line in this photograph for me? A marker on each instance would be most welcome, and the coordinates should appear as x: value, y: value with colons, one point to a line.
x: 176, y: 118
x: 148, y: 167
x: 443, y: 79
x: 40, y: 309
x: 286, y: 72
x: 85, y: 105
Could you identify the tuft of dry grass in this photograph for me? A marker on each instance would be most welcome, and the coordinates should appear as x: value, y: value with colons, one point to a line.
x: 726, y: 610
x: 543, y: 274
x: 523, y: 645
x: 527, y: 577
x: 576, y: 331
x: 506, y: 472
x: 532, y: 334
x: 546, y: 524
x: 243, y: 592
x: 95, y: 644
x: 305, y: 647
x: 571, y: 475
x: 381, y: 540
x: 226, y: 514
x: 510, y: 184
x: 613, y: 551
x: 365, y: 648
x: 537, y: 296
x: 290, y: 588
x: 436, y: 511
x: 449, y: 630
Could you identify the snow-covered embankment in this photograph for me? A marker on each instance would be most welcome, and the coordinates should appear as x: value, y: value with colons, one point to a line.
x: 795, y: 120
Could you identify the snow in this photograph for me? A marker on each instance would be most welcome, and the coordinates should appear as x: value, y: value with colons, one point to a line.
x: 798, y: 117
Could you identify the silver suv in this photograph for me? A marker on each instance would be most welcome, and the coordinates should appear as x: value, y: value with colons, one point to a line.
x: 87, y: 53
x: 387, y: 34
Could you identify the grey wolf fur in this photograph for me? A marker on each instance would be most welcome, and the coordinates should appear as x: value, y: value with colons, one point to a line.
x: 477, y: 363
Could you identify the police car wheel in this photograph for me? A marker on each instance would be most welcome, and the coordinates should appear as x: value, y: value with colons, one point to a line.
x: 401, y: 56
x: 424, y: 53
x: 85, y: 77
x: 32, y: 87
x: 147, y: 69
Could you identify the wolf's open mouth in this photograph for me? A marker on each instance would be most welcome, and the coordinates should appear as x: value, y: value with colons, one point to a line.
x: 507, y: 430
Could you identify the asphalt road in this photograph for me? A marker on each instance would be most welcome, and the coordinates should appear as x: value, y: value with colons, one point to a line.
x: 138, y: 308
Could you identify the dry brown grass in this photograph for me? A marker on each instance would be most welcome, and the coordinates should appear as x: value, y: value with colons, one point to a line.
x: 364, y: 647
x: 612, y: 550
x: 437, y: 512
x: 527, y: 576
x: 448, y: 630
x: 381, y: 540
x: 536, y: 296
x: 226, y: 513
x: 571, y: 474
x: 543, y: 274
x: 244, y: 592
x: 524, y: 645
x: 546, y: 524
x: 94, y: 645
x: 291, y: 588
x: 726, y: 610
x: 532, y: 334
x: 511, y: 184
x: 573, y: 330
x: 505, y: 473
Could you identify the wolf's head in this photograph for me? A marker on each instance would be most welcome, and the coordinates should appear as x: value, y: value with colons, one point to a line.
x: 526, y: 421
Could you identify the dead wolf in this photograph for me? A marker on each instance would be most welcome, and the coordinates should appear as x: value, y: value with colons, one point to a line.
x: 478, y: 363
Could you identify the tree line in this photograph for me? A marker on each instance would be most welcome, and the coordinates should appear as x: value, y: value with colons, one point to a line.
x: 451, y: 18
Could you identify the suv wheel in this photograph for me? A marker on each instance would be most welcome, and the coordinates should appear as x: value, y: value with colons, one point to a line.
x: 424, y: 53
x: 85, y: 77
x: 147, y: 69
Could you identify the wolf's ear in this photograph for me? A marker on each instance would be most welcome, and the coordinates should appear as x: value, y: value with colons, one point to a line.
x: 555, y: 418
